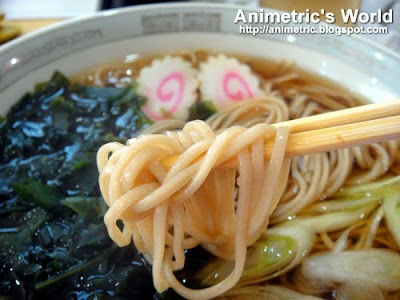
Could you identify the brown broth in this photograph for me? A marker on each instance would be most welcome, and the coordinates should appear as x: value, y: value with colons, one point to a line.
x: 117, y: 72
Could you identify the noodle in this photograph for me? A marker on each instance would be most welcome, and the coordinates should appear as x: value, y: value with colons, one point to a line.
x: 312, y: 177
x: 269, y: 110
x: 187, y: 199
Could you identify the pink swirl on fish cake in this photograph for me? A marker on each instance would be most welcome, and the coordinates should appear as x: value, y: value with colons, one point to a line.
x: 167, y: 95
x: 242, y: 92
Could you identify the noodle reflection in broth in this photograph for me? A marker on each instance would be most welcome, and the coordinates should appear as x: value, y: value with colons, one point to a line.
x: 329, y: 205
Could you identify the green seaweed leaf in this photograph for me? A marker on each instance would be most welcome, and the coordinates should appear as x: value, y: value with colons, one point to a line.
x: 202, y: 110
x: 35, y: 192
x: 33, y: 220
x: 91, y: 209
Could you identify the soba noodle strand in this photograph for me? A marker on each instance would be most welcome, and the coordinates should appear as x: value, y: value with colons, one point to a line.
x: 187, y: 200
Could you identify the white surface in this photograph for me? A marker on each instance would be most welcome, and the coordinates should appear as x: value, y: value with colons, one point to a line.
x: 74, y: 45
x: 31, y: 9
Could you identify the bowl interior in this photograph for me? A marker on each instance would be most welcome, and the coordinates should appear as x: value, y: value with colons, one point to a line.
x: 70, y: 47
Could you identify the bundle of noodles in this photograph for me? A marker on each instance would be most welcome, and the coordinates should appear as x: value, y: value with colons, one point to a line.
x: 268, y: 110
x: 166, y: 210
x: 318, y: 176
x: 312, y: 177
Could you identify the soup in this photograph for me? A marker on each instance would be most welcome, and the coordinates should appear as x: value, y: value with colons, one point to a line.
x: 330, y: 208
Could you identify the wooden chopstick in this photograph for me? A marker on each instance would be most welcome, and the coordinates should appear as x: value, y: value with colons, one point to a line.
x: 342, y: 117
x: 336, y: 130
x: 339, y: 137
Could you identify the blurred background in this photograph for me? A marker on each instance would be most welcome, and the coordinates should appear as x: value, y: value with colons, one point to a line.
x: 24, y: 16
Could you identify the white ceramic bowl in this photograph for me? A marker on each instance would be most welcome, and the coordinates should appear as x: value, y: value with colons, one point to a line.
x: 71, y: 46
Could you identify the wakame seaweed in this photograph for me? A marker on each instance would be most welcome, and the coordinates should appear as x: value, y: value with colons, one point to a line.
x: 53, y: 242
x: 201, y: 110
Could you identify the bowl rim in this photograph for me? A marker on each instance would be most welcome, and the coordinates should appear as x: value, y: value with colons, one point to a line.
x: 178, y: 5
